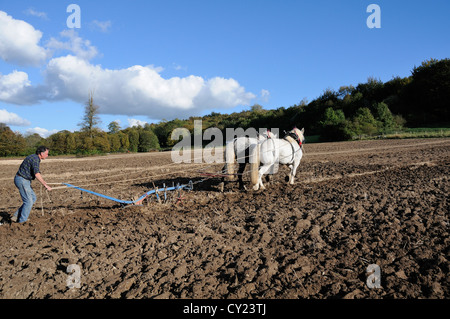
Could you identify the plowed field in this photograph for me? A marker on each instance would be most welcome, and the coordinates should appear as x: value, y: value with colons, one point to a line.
x: 353, y: 204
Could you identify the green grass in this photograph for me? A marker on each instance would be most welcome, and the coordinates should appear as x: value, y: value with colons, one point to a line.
x: 312, y: 139
x: 419, y: 132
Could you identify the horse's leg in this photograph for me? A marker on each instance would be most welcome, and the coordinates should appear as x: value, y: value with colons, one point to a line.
x: 259, y: 181
x: 263, y: 170
x: 230, y: 162
x: 256, y: 186
x: 293, y: 172
x: 240, y: 174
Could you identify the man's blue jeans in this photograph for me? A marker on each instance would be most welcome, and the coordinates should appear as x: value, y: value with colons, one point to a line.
x: 28, y: 198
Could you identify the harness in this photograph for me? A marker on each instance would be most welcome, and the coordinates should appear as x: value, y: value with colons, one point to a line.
x: 296, y: 138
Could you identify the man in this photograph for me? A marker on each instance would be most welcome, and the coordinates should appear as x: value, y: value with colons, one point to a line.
x: 28, y: 171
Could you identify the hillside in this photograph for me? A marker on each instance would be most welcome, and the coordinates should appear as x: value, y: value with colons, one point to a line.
x: 371, y: 108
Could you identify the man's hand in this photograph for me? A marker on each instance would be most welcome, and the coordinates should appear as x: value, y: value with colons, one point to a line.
x: 41, y: 180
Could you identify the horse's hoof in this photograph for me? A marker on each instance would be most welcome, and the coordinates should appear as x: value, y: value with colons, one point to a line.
x: 256, y: 187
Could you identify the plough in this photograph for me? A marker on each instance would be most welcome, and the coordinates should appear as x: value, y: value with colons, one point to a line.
x: 189, y: 186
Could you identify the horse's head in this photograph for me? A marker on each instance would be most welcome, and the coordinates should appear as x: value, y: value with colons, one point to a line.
x: 267, y: 134
x: 270, y: 134
x: 300, y: 135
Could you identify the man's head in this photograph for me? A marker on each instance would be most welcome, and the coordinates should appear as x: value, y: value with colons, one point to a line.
x: 42, y: 152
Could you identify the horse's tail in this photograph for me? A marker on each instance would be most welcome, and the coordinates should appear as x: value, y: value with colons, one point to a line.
x: 254, y: 163
x: 230, y: 161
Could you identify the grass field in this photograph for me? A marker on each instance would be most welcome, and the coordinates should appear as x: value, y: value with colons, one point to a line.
x: 418, y: 132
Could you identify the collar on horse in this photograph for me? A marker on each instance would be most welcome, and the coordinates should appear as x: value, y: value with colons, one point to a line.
x: 295, y: 137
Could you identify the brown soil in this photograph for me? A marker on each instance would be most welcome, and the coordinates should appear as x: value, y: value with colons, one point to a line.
x: 353, y: 204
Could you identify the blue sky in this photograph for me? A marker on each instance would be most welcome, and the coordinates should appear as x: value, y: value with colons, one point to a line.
x: 152, y: 60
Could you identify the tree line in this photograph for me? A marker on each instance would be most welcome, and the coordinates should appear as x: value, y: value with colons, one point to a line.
x: 370, y: 108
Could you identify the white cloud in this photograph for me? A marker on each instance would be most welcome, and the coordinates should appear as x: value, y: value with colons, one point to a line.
x: 16, y: 88
x: 32, y: 12
x: 265, y: 95
x: 9, y: 118
x: 137, y: 90
x: 135, y: 122
x: 222, y: 93
x: 75, y: 44
x: 103, y: 26
x: 12, y: 86
x: 140, y: 90
x: 19, y: 42
x: 41, y: 131
x: 179, y: 67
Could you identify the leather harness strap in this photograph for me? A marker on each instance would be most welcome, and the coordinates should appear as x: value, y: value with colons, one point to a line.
x: 290, y: 140
x: 294, y: 137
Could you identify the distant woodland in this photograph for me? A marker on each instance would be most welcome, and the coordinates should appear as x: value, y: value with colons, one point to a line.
x: 370, y: 109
